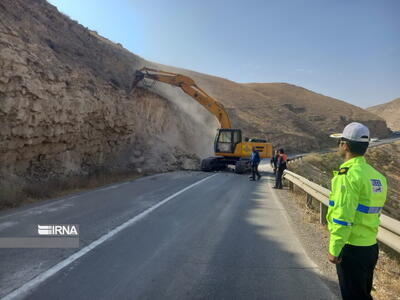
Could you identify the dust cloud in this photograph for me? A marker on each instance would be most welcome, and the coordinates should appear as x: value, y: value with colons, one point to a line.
x: 201, y: 125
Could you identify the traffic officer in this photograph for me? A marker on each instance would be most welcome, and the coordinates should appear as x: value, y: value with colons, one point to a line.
x: 355, y: 205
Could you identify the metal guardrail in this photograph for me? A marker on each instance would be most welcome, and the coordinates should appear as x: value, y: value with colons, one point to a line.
x: 389, y: 229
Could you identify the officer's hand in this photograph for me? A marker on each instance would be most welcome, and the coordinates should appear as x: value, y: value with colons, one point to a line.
x: 334, y: 259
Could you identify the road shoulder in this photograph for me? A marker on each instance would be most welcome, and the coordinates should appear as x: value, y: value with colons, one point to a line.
x: 313, y: 236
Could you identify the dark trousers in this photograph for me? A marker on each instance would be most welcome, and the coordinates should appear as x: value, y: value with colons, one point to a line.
x: 254, y: 171
x: 278, y: 178
x: 356, y: 271
x: 274, y: 168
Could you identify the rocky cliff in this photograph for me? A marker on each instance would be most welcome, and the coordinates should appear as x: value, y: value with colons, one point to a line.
x: 66, y: 109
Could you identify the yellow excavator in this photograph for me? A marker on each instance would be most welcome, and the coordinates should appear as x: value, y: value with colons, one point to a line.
x: 228, y: 145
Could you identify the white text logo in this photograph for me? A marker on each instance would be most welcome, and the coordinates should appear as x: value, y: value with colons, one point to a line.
x: 57, y: 229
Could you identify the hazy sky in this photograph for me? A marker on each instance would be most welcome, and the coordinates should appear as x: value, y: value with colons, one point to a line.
x: 341, y: 48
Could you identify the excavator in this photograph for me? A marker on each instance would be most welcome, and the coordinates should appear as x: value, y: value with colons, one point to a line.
x: 228, y: 145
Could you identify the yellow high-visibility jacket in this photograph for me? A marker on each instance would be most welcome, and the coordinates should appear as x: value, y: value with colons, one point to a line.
x: 357, y: 197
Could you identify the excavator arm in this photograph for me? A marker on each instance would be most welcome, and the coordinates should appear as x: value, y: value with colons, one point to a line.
x: 189, y: 87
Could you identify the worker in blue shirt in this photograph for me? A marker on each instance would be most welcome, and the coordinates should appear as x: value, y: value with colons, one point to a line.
x: 255, y: 161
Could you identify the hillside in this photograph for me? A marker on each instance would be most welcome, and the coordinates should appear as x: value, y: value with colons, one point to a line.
x: 390, y: 112
x: 385, y: 158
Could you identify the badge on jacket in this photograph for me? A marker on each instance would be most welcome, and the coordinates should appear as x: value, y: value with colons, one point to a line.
x: 376, y: 186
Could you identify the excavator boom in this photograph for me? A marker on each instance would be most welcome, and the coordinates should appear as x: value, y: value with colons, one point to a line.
x: 189, y: 87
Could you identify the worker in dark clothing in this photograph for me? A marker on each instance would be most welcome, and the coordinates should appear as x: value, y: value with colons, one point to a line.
x: 255, y: 161
x: 274, y: 161
x: 280, y: 167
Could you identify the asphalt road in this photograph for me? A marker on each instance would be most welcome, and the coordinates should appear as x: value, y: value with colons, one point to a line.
x: 180, y: 235
x: 385, y: 141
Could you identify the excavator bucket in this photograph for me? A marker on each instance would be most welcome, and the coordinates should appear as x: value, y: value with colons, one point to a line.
x: 139, y: 76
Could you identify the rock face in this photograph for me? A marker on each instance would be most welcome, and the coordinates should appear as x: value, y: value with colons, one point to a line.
x: 390, y: 112
x: 66, y: 109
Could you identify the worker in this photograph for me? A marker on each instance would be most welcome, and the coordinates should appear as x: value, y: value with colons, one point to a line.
x: 280, y: 167
x: 274, y: 161
x: 356, y: 201
x: 255, y: 160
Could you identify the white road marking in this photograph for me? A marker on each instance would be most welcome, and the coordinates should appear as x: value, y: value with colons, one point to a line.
x: 25, y: 288
x: 5, y: 225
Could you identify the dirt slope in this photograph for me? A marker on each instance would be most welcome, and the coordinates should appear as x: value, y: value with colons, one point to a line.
x: 385, y: 158
x: 390, y: 112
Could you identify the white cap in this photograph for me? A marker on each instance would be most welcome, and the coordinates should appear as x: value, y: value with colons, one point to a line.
x: 356, y: 132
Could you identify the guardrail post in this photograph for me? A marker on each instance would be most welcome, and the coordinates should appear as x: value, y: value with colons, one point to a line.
x: 322, y: 213
x: 309, y: 201
x: 290, y: 185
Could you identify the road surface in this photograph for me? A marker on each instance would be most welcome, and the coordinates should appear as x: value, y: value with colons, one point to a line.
x: 389, y: 140
x: 179, y: 235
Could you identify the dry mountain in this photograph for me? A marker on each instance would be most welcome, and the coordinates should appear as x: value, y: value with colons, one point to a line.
x: 390, y: 112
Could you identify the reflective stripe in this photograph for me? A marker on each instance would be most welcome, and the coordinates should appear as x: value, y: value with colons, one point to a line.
x: 369, y: 209
x: 331, y: 203
x: 342, y: 222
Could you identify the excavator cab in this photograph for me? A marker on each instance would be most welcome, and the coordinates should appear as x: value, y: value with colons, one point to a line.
x: 226, y: 140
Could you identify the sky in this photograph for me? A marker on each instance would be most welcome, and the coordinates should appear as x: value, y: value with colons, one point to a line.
x: 346, y: 49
